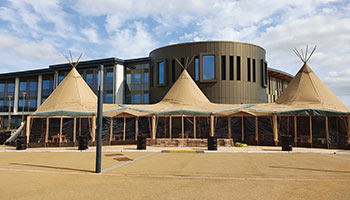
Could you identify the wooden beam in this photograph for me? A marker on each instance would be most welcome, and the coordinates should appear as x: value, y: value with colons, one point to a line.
x: 275, y: 129
x: 111, y: 131
x: 194, y: 127
x: 327, y: 133
x: 295, y: 131
x: 182, y: 127
x: 242, y: 123
x: 170, y: 127
x: 229, y: 127
x: 164, y: 126
x: 47, y: 131
x: 93, y: 128
x: 124, y: 129
x: 212, y: 130
x: 256, y: 130
x: 28, y: 128
x: 61, y: 127
x: 310, y: 122
x: 136, y: 128
x: 154, y: 128
x: 74, y: 130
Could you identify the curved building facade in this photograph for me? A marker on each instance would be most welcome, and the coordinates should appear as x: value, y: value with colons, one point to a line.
x: 226, y: 72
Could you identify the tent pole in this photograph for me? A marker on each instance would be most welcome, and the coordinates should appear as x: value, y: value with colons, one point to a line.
x: 295, y: 131
x: 327, y: 132
x: 242, y: 123
x: 111, y: 131
x: 310, y: 139
x: 136, y: 128
x: 153, y: 127
x: 74, y: 130
x: 170, y: 127
x: 348, y: 119
x: 28, y: 128
x: 194, y: 127
x: 60, y: 139
x: 212, y: 125
x: 182, y: 127
x: 275, y: 129
x: 256, y: 130
x: 229, y: 127
x: 124, y: 128
x: 47, y: 131
x: 93, y: 128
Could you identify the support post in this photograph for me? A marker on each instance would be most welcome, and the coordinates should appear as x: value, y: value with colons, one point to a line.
x: 60, y: 138
x: 170, y: 128
x: 74, y: 130
x: 212, y: 130
x: 154, y: 128
x: 229, y: 127
x: 136, y: 127
x: 164, y: 127
x: 28, y: 128
x: 275, y: 129
x: 93, y: 128
x: 47, y: 131
x: 327, y: 132
x: 242, y: 120
x: 310, y: 122
x: 182, y: 127
x: 295, y: 131
x: 256, y: 130
x: 194, y: 127
x: 124, y: 129
x: 111, y: 131
x: 100, y: 120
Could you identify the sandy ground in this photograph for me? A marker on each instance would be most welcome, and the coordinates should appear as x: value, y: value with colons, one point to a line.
x: 186, y: 175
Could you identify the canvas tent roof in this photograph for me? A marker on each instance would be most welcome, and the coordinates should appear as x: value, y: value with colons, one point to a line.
x: 72, y: 97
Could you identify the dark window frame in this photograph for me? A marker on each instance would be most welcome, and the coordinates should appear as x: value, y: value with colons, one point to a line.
x: 223, y: 67
x: 238, y: 66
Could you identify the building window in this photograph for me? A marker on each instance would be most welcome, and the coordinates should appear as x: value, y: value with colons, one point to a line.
x: 145, y: 98
x: 209, y: 67
x: 223, y: 67
x: 248, y: 70
x: 231, y: 68
x: 137, y: 98
x: 2, y: 87
x: 108, y: 98
x: 33, y: 86
x: 161, y: 73
x: 23, y: 86
x: 10, y: 87
x: 173, y: 70
x: 265, y: 70
x: 263, y: 66
x: 60, y: 79
x: 128, y: 99
x: 196, y: 68
x: 254, y: 71
x: 137, y: 78
x: 109, y: 77
x: 238, y: 68
x: 145, y: 78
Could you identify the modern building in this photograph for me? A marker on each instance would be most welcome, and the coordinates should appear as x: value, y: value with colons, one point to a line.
x: 226, y: 72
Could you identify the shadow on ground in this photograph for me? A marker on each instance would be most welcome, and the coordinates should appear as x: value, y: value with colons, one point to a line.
x: 51, y: 167
x: 310, y: 169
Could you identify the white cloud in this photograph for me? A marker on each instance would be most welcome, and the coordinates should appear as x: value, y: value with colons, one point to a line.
x: 91, y: 34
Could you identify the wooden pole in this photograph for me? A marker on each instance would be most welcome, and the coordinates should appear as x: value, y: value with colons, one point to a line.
x: 47, y: 131
x: 310, y: 139
x: 348, y: 131
x: 242, y: 123
x: 194, y: 127
x: 229, y: 127
x: 295, y: 131
x: 170, y: 127
x: 60, y: 138
x: 256, y: 130
x: 93, y: 128
x: 154, y: 128
x: 136, y: 128
x: 74, y: 130
x: 275, y: 129
x: 182, y: 127
x: 28, y: 128
x: 212, y: 130
x: 124, y: 129
x: 111, y: 131
x: 327, y: 132
x: 164, y: 127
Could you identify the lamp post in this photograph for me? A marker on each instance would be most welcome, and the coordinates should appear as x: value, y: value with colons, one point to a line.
x: 9, y: 118
x: 99, y: 120
x: 23, y: 105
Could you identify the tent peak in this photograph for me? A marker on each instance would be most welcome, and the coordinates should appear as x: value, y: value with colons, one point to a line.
x: 71, y: 61
x: 304, y: 57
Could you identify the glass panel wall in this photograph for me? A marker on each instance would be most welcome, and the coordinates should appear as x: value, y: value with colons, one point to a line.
x: 161, y: 72
x: 47, y: 87
x: 7, y: 92
x: 28, y: 91
x: 137, y: 83
x: 209, y: 67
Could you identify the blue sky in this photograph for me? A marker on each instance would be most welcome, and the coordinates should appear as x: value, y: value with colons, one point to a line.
x: 33, y: 33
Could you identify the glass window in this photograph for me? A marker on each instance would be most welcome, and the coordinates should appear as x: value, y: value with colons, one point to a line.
x: 128, y: 99
x: 23, y: 86
x: 145, y: 78
x: 46, y: 84
x: 10, y: 87
x: 231, y: 68
x: 108, y: 98
x: 254, y: 71
x: 60, y: 79
x: 43, y: 100
x: 32, y: 104
x: 173, y: 70
x: 248, y: 70
x: 2, y: 87
x: 208, y: 67
x: 196, y: 66
x: 238, y: 68
x: 1, y: 103
x: 161, y: 73
x: 90, y: 79
x: 128, y: 79
x: 109, y: 77
x: 33, y: 86
x: 137, y: 98
x: 145, y: 98
x: 223, y: 67
x: 137, y: 78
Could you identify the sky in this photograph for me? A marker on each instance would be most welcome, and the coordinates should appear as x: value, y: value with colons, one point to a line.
x: 35, y: 33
